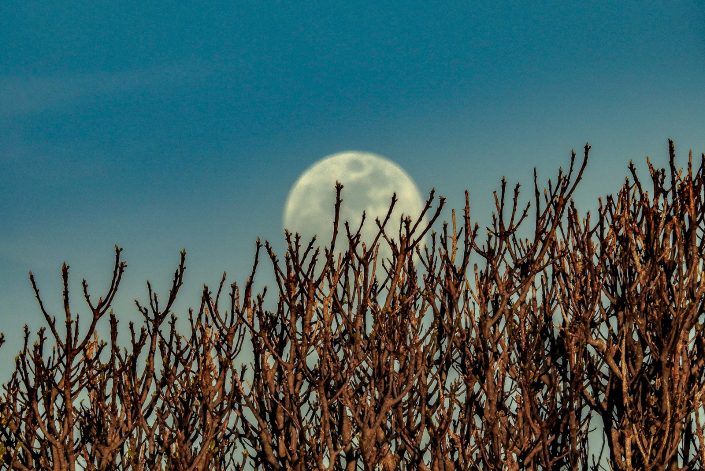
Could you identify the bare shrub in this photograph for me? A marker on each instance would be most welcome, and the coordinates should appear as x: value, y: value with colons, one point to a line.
x: 490, y: 348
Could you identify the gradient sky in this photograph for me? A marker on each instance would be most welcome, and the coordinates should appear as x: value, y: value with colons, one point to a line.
x: 160, y: 126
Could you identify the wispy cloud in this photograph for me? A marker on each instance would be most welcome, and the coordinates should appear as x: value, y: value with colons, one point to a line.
x: 23, y: 95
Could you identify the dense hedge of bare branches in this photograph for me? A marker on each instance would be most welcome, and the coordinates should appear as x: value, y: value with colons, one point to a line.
x: 471, y: 348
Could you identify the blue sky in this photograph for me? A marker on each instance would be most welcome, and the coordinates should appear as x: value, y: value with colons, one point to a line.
x: 166, y: 125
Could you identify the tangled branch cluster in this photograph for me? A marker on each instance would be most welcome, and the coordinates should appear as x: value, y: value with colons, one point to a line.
x: 468, y: 349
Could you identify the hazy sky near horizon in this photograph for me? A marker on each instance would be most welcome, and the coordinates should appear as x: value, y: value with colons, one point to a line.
x: 161, y: 126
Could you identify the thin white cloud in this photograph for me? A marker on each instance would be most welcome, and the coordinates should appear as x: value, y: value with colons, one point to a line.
x: 23, y: 95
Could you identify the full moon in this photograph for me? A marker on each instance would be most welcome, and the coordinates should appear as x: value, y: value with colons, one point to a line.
x: 369, y: 182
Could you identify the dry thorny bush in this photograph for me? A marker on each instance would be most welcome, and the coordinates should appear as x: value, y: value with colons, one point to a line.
x: 468, y: 349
